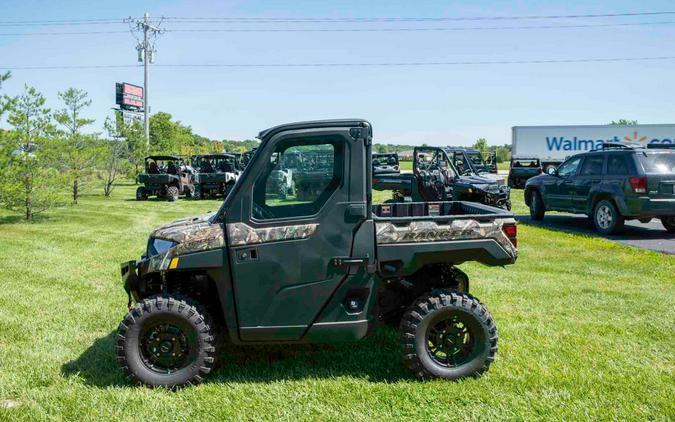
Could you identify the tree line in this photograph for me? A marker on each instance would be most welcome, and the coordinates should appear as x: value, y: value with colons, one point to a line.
x: 49, y: 157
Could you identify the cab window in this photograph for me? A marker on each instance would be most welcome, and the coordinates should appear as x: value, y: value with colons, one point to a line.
x: 616, y: 165
x: 300, y: 177
x: 592, y: 165
x: 569, y: 167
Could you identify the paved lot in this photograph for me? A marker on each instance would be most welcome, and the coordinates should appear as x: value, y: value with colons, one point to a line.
x: 647, y: 236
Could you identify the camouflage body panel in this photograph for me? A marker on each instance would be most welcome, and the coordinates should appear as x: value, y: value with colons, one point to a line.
x: 241, y: 234
x: 192, y: 234
x: 430, y: 231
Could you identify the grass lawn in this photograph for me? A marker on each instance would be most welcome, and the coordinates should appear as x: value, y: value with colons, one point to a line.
x: 586, y: 331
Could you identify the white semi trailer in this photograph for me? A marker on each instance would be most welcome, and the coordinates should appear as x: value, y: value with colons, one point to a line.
x: 552, y: 144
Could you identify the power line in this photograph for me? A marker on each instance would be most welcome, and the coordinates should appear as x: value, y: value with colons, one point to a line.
x: 364, y: 64
x: 435, y: 29
x: 411, y: 19
x: 468, y: 28
x: 185, y: 19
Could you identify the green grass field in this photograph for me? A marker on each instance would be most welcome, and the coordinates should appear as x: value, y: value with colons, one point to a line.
x: 586, y: 332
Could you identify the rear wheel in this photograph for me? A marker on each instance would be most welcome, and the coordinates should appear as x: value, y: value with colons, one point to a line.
x: 197, y: 194
x: 448, y: 335
x: 669, y: 224
x: 607, y: 218
x: 172, y: 193
x: 537, y: 209
x: 166, y: 342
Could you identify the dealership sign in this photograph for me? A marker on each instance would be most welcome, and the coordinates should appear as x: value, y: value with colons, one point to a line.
x: 128, y: 96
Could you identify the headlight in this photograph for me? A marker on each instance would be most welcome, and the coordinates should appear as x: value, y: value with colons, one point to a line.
x: 159, y: 246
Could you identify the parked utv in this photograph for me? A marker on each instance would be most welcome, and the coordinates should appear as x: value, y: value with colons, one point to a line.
x: 386, y: 163
x: 215, y: 174
x: 281, y: 180
x: 328, y: 268
x: 522, y: 169
x: 610, y: 185
x: 316, y: 167
x: 435, y: 178
x: 166, y: 176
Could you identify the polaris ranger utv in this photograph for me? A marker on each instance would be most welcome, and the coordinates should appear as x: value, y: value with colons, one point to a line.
x: 328, y: 268
x: 215, y: 174
x: 166, y: 176
x: 435, y: 178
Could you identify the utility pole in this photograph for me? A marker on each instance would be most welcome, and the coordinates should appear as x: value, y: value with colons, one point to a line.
x: 146, y: 52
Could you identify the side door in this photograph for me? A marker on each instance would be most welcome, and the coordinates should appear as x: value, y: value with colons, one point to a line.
x: 283, y: 248
x: 589, y: 177
x: 560, y: 191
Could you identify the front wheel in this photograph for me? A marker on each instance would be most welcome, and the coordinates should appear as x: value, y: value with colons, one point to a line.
x: 172, y: 193
x: 448, y: 335
x: 537, y: 209
x: 669, y: 224
x: 166, y: 342
x: 607, y: 218
x: 141, y: 194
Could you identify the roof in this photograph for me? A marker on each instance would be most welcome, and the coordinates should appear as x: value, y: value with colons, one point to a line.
x: 215, y: 155
x: 163, y: 157
x: 315, y: 124
x: 465, y: 149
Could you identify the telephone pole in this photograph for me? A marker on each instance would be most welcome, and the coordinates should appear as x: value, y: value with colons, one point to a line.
x: 146, y: 54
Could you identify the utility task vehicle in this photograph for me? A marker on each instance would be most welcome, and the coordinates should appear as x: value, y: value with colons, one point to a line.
x: 215, y: 174
x: 522, y: 169
x: 435, y: 178
x: 611, y: 185
x: 166, y: 176
x: 327, y: 268
x: 469, y: 161
x: 384, y: 163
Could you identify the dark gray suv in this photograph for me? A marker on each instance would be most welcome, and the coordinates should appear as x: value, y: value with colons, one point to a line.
x: 610, y: 185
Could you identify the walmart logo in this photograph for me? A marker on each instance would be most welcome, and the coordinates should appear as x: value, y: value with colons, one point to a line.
x: 561, y: 143
x: 635, y: 138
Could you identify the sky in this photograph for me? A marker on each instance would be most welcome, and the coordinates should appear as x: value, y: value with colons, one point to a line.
x: 437, y: 105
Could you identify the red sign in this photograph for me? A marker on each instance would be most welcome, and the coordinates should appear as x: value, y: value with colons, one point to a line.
x: 128, y: 96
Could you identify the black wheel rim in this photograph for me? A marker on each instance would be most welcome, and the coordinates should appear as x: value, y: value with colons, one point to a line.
x: 451, y: 341
x: 167, y: 347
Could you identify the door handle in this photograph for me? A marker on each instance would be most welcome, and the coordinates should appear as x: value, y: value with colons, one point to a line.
x: 345, y: 261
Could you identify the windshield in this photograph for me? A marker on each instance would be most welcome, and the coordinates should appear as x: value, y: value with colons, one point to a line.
x: 215, y: 164
x: 521, y: 162
x: 476, y: 158
x: 160, y: 166
x: 660, y: 162
x: 385, y: 159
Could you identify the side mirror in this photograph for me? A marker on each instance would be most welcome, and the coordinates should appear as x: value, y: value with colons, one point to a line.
x: 552, y: 171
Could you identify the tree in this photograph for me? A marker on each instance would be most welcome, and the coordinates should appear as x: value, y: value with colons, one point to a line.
x: 623, y: 122
x: 482, y: 146
x: 5, y: 100
x: 77, y: 152
x: 114, y: 152
x: 27, y: 182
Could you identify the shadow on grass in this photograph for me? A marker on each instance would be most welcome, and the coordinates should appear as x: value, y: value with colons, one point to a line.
x: 376, y: 359
x: 19, y: 218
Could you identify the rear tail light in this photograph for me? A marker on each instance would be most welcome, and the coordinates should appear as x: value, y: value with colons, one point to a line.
x: 638, y: 184
x: 511, y: 231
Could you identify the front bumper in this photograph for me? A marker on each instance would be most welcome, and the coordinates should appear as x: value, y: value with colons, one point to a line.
x: 132, y: 273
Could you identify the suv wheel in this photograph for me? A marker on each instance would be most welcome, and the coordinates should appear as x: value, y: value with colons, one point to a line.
x: 607, y: 218
x: 537, y: 209
x: 166, y: 342
x: 448, y: 335
x: 141, y: 194
x: 669, y: 224
x: 172, y: 193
